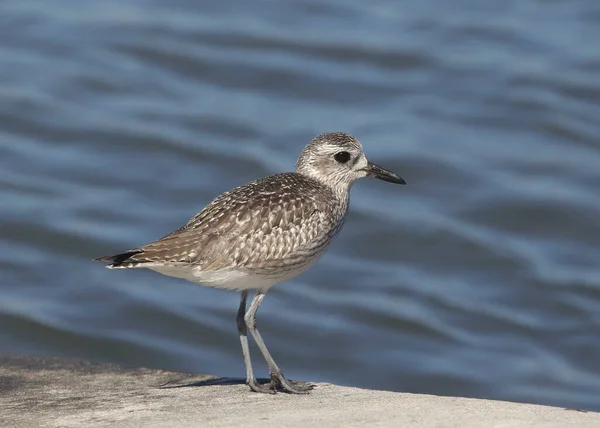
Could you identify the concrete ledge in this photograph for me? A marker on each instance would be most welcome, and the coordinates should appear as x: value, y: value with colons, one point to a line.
x: 56, y: 392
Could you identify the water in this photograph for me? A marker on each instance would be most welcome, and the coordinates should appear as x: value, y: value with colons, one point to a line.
x: 121, y: 119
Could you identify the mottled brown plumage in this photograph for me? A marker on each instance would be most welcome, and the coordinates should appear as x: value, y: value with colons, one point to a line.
x: 272, y: 223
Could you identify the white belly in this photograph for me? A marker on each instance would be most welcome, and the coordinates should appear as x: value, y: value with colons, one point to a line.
x: 232, y: 278
x: 228, y: 279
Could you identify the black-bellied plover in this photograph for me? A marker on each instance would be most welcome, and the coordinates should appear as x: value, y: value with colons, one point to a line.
x: 263, y: 233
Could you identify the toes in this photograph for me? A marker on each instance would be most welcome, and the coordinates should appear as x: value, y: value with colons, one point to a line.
x: 280, y: 383
x: 290, y: 387
x: 287, y: 387
x: 257, y: 387
x: 302, y: 386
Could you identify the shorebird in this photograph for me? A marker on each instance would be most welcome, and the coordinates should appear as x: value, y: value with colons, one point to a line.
x: 263, y: 233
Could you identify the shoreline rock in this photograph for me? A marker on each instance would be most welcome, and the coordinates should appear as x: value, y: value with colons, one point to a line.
x: 38, y: 391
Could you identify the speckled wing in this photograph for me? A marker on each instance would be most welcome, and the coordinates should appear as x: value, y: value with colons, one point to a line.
x: 269, y: 224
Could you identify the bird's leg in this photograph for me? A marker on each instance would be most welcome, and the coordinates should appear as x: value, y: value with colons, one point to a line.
x: 277, y: 378
x: 243, y: 331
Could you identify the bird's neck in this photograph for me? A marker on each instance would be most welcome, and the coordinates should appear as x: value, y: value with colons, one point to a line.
x: 337, y: 185
x: 340, y: 190
x: 342, y: 195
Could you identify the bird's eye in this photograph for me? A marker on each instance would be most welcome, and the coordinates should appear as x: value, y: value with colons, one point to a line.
x: 342, y: 157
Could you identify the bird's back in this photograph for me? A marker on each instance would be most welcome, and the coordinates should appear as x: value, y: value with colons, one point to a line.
x: 277, y: 225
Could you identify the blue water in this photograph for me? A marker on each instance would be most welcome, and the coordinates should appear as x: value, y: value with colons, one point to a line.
x: 119, y: 120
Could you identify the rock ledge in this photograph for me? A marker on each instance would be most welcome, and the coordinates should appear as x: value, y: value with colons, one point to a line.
x: 56, y: 392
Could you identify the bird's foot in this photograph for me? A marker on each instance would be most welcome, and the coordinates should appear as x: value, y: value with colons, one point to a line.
x: 257, y: 387
x: 279, y: 382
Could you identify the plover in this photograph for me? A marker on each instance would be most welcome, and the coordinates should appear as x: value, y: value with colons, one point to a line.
x: 263, y: 233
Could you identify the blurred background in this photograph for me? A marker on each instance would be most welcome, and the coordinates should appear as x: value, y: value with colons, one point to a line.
x: 119, y: 120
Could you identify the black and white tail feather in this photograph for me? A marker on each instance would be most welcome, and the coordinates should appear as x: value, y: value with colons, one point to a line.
x: 123, y: 260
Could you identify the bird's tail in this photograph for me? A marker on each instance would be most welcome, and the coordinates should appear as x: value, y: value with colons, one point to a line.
x: 120, y: 260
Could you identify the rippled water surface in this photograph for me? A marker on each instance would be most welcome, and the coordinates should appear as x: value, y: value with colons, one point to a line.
x: 121, y: 119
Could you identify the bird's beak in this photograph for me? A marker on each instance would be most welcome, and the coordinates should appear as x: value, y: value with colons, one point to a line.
x: 375, y: 171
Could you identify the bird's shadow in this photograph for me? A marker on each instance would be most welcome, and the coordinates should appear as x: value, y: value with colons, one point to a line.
x: 193, y: 381
x: 220, y: 381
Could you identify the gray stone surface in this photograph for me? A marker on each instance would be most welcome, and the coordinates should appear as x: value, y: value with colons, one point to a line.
x: 55, y: 392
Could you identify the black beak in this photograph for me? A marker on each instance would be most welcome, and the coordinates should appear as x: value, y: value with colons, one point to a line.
x: 375, y: 171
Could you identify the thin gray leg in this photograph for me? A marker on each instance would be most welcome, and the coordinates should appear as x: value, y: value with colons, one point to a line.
x: 277, y: 378
x: 242, y: 330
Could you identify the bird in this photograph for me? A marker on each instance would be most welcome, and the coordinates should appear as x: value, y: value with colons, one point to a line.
x: 263, y: 233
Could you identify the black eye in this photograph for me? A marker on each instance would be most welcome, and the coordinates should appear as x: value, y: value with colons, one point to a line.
x: 342, y: 157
